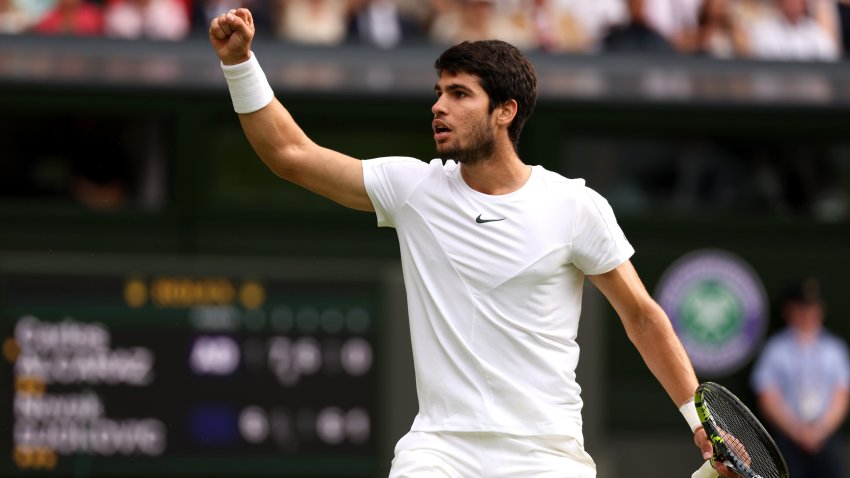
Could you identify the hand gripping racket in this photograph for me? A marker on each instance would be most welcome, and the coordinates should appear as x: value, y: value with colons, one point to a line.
x: 740, y: 441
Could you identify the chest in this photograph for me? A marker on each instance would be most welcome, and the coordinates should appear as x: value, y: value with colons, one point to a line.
x: 807, y: 364
x: 521, y: 239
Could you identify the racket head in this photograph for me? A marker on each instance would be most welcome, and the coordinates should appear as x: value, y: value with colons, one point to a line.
x: 739, y: 439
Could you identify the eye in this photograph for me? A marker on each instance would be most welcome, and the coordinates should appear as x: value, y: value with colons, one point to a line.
x: 460, y: 94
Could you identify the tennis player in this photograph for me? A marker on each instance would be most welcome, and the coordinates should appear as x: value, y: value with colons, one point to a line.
x: 494, y: 254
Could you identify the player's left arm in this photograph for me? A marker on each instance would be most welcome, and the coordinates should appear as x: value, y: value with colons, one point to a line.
x: 649, y: 329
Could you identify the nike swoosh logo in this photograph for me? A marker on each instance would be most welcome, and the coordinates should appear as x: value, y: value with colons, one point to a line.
x: 482, y: 221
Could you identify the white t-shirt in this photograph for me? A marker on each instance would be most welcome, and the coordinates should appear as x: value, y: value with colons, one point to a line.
x: 494, y: 287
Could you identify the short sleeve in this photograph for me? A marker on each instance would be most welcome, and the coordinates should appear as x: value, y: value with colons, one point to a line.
x: 599, y: 244
x: 841, y: 364
x: 389, y: 182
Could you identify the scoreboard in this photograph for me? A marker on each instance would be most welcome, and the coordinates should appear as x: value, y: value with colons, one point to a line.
x: 131, y: 370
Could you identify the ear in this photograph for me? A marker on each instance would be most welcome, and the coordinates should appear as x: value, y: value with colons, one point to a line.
x: 506, y: 112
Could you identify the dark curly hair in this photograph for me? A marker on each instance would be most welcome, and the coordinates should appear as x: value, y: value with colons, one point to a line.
x: 505, y: 74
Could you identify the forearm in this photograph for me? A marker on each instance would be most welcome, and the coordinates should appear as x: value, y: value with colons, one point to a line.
x: 649, y: 329
x: 777, y: 412
x: 835, y: 414
x: 825, y: 14
x: 653, y: 336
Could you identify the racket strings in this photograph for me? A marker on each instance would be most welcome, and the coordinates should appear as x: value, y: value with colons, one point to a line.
x: 736, y: 428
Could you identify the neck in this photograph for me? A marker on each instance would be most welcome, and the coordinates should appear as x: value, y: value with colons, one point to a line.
x: 500, y: 174
x: 806, y: 336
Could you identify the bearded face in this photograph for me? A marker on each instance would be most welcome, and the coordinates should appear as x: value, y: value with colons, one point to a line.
x: 463, y: 124
x: 478, y: 144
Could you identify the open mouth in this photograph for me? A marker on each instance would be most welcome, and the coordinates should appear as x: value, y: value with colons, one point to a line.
x: 440, y: 129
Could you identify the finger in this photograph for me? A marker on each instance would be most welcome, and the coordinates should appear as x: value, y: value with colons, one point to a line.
x: 215, y: 29
x: 227, y: 24
x: 703, y: 443
x: 706, y: 450
x: 237, y: 24
x: 245, y: 15
x: 722, y: 470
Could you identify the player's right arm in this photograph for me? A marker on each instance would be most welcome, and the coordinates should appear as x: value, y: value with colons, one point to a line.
x: 277, y: 138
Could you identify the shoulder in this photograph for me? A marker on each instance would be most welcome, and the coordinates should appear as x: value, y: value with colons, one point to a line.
x: 571, y: 191
x: 393, y: 165
x: 559, y: 184
x: 401, y: 175
x: 775, y: 354
x: 406, y: 162
x: 834, y: 342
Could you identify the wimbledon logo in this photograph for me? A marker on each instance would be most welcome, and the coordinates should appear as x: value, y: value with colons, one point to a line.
x: 718, y: 308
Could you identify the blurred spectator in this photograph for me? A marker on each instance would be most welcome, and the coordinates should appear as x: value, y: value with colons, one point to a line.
x: 470, y: 20
x: 594, y: 19
x: 34, y: 9
x: 802, y: 383
x: 313, y: 22
x: 672, y: 18
x: 797, y: 31
x: 746, y: 13
x: 381, y: 23
x: 418, y: 10
x: 437, y: 11
x: 716, y: 34
x: 13, y: 19
x: 637, y: 35
x: 459, y: 20
x: 203, y: 12
x: 154, y: 19
x: 550, y: 26
x: 825, y: 12
x: 444, y: 21
x: 71, y: 17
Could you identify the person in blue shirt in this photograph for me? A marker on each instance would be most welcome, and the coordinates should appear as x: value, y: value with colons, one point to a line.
x: 802, y: 383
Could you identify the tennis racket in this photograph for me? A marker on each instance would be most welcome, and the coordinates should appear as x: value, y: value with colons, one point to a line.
x: 740, y: 441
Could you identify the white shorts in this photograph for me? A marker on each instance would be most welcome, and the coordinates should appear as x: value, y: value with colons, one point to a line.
x: 489, y: 455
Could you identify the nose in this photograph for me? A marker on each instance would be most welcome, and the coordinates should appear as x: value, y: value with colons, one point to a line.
x: 437, y: 108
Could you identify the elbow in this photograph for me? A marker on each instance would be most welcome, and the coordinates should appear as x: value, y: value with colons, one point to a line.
x: 282, y: 170
x: 285, y: 161
x: 645, y: 322
x: 636, y: 331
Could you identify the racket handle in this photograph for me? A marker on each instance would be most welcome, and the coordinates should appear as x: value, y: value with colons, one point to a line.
x: 705, y: 471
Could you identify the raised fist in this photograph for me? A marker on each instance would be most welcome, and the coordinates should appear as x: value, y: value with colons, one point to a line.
x: 231, y: 35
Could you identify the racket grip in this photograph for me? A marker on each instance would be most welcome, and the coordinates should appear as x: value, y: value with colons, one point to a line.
x: 705, y: 471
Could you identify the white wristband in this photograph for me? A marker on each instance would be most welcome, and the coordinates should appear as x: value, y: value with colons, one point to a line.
x: 689, y: 411
x: 249, y: 88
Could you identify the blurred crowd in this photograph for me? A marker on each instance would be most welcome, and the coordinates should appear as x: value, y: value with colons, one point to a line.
x: 762, y: 29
